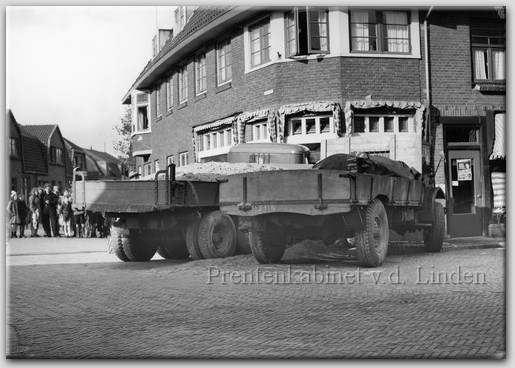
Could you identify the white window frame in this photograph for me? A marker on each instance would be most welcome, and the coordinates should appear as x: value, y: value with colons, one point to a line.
x: 156, y: 165
x: 260, y: 131
x: 200, y: 74
x: 170, y: 160
x: 137, y: 104
x: 158, y: 101
x: 183, y: 158
x: 414, y: 32
x: 183, y: 84
x: 296, y: 26
x: 147, y: 169
x: 216, y: 142
x: 306, y: 138
x: 381, y: 123
x: 223, y: 54
x: 169, y: 93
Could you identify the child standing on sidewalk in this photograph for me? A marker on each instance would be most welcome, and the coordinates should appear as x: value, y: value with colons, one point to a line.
x: 67, y: 213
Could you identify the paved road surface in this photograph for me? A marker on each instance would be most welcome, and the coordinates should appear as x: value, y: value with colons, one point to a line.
x: 68, y: 298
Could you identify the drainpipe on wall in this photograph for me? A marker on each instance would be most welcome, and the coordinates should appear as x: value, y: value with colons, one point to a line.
x: 428, y: 88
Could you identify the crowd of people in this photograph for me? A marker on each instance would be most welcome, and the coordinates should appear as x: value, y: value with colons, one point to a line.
x: 54, y: 212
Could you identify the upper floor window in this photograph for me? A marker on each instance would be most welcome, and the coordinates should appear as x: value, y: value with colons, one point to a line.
x: 307, y: 31
x: 224, y: 62
x: 147, y: 168
x: 380, y: 31
x: 78, y: 162
x: 260, y: 43
x: 183, y: 158
x: 170, y: 160
x: 200, y: 74
x: 183, y: 84
x: 158, y: 101
x: 169, y: 93
x: 142, y: 118
x: 156, y: 166
x: 488, y: 41
x: 14, y: 150
x: 56, y: 155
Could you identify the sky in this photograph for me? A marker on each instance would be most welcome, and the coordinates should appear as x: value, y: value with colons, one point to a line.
x: 71, y: 66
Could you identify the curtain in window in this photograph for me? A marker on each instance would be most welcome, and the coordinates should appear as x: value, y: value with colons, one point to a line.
x: 480, y: 64
x: 359, y: 30
x: 498, y: 64
x: 397, y: 37
x: 318, y: 30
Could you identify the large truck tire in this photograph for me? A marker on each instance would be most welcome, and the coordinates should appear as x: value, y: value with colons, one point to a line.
x: 116, y: 242
x: 267, y: 243
x: 217, y: 235
x: 172, y: 246
x: 372, y: 240
x: 433, y: 237
x: 139, y: 248
x: 192, y: 243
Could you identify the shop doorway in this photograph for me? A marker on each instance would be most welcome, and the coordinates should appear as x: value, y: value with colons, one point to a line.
x: 465, y: 199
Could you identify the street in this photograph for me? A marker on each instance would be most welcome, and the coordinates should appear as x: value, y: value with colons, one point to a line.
x: 69, y: 298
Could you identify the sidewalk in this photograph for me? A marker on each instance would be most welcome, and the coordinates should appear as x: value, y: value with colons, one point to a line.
x: 449, y: 244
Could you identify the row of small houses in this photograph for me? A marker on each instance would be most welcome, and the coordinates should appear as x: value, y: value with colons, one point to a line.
x: 39, y: 154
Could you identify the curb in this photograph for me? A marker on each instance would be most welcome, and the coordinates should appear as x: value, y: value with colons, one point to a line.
x: 404, y: 247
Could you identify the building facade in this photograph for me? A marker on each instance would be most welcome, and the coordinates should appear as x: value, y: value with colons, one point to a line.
x: 335, y: 79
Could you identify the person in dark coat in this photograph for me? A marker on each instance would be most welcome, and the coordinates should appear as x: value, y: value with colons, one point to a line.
x: 23, y: 213
x: 12, y: 210
x: 50, y: 217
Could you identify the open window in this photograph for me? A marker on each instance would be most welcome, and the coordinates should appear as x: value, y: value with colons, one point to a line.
x: 307, y: 31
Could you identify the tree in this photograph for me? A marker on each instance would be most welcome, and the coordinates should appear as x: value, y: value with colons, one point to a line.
x: 122, y: 143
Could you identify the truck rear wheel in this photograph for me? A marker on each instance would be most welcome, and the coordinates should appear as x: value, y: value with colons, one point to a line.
x: 266, y: 242
x: 172, y: 245
x: 372, y: 241
x: 217, y: 235
x: 433, y: 237
x: 116, y: 242
x: 137, y: 247
x: 192, y: 243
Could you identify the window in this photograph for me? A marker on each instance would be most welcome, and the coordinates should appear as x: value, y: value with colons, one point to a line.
x: 200, y: 74
x: 260, y: 43
x: 156, y: 166
x: 14, y: 150
x: 142, y: 118
x: 379, y: 31
x: 147, y: 169
x: 488, y: 40
x: 260, y: 132
x: 224, y: 62
x: 183, y: 158
x: 170, y: 160
x: 309, y: 125
x: 216, y: 139
x: 78, y: 162
x: 380, y: 124
x: 462, y: 134
x: 158, y: 101
x: 306, y: 31
x: 56, y: 155
x: 169, y: 93
x: 139, y: 170
x: 183, y: 84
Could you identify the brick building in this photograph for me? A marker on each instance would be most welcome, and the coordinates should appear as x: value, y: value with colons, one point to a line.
x: 335, y: 79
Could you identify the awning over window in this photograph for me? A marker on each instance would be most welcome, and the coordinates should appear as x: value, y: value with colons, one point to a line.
x: 216, y: 124
x: 369, y: 104
x: 498, y: 149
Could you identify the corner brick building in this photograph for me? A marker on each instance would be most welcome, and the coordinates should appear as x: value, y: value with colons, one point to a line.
x: 335, y: 79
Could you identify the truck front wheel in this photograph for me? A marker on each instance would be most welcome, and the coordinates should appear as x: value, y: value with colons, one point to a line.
x: 267, y: 243
x: 137, y: 247
x: 217, y: 235
x: 372, y: 241
x: 172, y: 245
x: 433, y: 237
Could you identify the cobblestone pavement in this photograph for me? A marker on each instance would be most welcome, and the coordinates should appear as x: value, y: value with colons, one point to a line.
x: 68, y: 298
